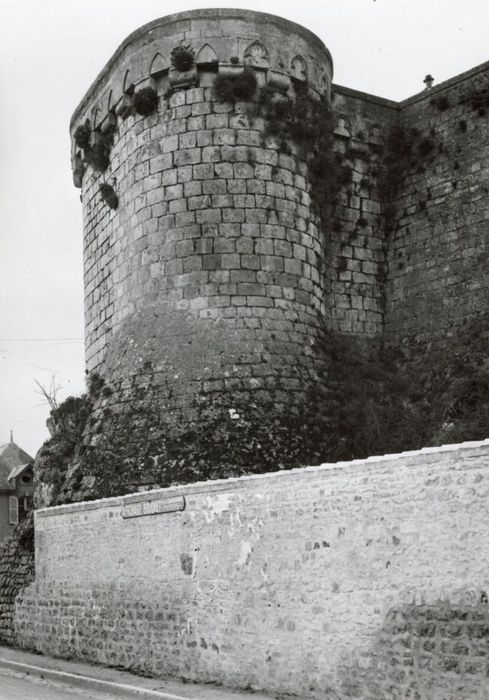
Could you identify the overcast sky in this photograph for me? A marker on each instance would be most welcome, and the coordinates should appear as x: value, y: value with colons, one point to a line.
x: 50, y: 52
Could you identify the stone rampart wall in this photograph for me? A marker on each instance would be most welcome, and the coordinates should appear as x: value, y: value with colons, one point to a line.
x: 438, y: 270
x: 364, y: 579
x: 356, y: 246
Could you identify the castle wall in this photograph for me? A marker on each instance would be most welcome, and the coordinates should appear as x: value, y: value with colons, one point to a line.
x: 363, y: 579
x: 438, y: 269
x: 205, y: 281
x: 356, y: 251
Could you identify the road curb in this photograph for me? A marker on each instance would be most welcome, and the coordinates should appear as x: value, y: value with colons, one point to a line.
x: 88, y: 683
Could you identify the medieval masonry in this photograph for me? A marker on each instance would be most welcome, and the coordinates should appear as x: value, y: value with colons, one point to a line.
x: 254, y: 237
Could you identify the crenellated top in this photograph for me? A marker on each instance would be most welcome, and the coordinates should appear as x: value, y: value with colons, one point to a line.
x: 220, y: 41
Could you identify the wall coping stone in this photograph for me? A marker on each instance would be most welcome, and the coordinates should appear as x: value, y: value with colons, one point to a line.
x: 445, y: 85
x: 364, y: 96
x: 256, y: 480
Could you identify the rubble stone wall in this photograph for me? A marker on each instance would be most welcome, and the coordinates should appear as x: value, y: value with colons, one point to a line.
x: 16, y: 572
x: 363, y: 579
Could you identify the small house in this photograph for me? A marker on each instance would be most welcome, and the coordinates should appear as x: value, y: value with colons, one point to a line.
x: 16, y: 487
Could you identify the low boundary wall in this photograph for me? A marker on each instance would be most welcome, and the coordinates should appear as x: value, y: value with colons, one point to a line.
x: 366, y: 579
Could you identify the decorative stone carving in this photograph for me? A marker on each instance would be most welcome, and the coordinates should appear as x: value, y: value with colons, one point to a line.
x: 278, y: 80
x: 343, y: 128
x: 230, y: 70
x: 375, y: 135
x: 128, y: 84
x: 124, y: 108
x: 158, y: 65
x: 109, y: 124
x: 206, y: 55
x: 256, y: 55
x: 180, y: 79
x: 78, y: 170
x: 299, y: 68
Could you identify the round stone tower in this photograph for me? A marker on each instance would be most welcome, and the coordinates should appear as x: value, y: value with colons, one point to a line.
x: 203, y: 288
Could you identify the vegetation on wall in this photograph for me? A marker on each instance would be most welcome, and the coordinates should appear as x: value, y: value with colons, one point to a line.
x: 477, y: 98
x: 96, y: 143
x: 83, y: 135
x: 57, y: 455
x: 241, y: 87
x: 307, y: 123
x: 108, y: 195
x: 441, y: 103
x: 182, y: 58
x: 304, y: 122
x: 145, y: 101
x: 97, y: 154
x: 364, y: 402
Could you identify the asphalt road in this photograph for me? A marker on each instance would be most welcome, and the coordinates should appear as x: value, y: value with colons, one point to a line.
x: 17, y: 687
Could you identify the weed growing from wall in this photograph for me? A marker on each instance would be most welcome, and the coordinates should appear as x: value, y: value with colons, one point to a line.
x: 145, y: 101
x: 58, y: 454
x: 234, y: 88
x: 182, y: 58
x: 441, y: 103
x: 478, y: 99
x: 82, y: 135
x: 108, y: 195
x: 97, y: 154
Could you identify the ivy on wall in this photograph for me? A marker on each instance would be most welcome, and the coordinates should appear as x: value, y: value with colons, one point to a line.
x: 364, y: 402
x: 304, y: 122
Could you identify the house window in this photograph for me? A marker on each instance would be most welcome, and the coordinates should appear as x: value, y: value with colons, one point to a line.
x: 13, y: 510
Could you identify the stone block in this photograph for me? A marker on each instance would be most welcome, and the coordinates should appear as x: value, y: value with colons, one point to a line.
x: 173, y: 192
x: 224, y: 137
x: 211, y: 216
x: 177, y: 205
x: 224, y: 245
x: 187, y: 139
x: 192, y: 263
x: 169, y: 177
x: 194, y: 95
x: 251, y: 289
x: 187, y: 156
x: 217, y: 186
x: 230, y: 261
x: 211, y: 262
x: 222, y: 200
x: 233, y: 215
x: 216, y: 121
x: 211, y: 154
x: 252, y: 262
x: 193, y: 189
x: 237, y: 186
x: 224, y: 170
x: 203, y: 171
x: 168, y: 145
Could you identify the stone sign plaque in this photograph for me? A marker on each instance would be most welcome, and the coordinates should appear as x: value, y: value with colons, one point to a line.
x: 152, y: 506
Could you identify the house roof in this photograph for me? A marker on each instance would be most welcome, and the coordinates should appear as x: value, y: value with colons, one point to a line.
x: 11, y: 456
x: 18, y: 471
